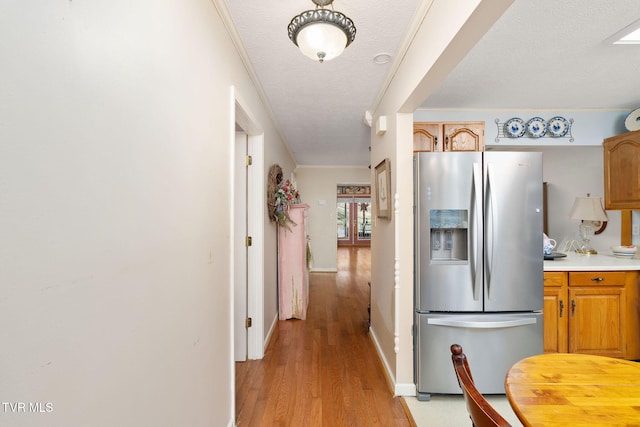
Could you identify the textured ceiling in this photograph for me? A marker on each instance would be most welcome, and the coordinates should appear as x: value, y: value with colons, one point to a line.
x: 320, y: 107
x: 542, y: 54
x: 549, y: 54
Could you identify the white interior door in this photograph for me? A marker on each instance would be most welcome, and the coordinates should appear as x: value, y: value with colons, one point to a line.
x: 240, y: 249
x: 249, y: 188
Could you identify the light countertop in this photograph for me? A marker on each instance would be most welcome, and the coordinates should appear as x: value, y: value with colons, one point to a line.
x: 603, y: 261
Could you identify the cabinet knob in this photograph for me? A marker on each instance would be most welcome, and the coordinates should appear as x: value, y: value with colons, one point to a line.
x: 597, y: 279
x: 561, y: 307
x: 573, y: 307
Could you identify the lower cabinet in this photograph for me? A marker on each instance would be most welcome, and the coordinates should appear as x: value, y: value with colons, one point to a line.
x: 555, y: 320
x: 592, y: 312
x: 597, y: 320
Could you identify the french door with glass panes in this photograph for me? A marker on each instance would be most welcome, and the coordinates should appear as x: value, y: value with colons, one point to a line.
x: 354, y: 220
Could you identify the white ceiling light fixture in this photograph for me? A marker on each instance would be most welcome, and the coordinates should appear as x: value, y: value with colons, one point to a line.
x: 322, y: 34
x: 628, y: 35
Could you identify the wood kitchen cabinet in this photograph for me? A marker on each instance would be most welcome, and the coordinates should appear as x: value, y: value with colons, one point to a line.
x: 554, y: 311
x: 597, y: 315
x: 592, y: 312
x: 448, y: 136
x: 622, y: 171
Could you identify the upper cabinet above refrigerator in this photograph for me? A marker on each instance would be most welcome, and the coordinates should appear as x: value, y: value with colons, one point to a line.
x: 448, y: 136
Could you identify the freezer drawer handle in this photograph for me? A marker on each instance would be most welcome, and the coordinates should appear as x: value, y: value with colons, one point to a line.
x: 481, y: 324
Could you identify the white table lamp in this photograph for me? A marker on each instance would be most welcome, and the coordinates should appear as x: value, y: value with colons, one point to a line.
x: 589, y: 210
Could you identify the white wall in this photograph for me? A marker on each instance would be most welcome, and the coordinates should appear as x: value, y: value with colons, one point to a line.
x: 115, y: 198
x: 566, y: 179
x: 635, y: 217
x: 318, y: 187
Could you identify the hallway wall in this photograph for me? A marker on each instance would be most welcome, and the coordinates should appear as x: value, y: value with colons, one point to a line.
x: 318, y: 186
x: 115, y: 198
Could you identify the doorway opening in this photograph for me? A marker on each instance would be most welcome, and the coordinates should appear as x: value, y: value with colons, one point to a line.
x: 353, y: 216
x: 247, y: 272
x: 248, y: 168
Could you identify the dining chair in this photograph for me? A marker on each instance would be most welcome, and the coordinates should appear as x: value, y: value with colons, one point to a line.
x: 481, y: 412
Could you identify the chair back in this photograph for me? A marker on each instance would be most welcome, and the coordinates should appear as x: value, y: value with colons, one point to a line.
x: 481, y: 412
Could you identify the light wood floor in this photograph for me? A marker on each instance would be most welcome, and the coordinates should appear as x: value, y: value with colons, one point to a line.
x: 322, y: 371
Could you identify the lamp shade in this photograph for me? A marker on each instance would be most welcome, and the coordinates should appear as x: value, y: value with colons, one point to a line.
x: 588, y: 208
x: 321, y: 40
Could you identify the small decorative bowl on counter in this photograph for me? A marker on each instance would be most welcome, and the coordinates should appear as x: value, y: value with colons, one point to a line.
x: 624, y: 251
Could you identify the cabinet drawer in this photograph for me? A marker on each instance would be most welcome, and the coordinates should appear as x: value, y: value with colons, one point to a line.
x: 597, y: 278
x: 555, y: 278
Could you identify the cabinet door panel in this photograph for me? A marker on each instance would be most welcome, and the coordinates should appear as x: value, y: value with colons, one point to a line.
x: 555, y: 319
x: 596, y: 322
x: 464, y: 136
x: 555, y: 312
x: 621, y: 164
x: 427, y: 137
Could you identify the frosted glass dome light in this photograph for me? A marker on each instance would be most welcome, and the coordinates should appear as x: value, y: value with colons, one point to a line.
x: 321, y: 39
x: 321, y: 34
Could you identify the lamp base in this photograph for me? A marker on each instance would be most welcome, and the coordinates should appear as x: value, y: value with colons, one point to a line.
x: 587, y: 251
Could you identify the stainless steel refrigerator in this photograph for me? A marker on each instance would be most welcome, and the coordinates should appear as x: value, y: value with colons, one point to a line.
x: 479, y: 265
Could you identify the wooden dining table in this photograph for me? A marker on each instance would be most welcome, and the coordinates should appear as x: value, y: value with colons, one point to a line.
x: 574, y: 390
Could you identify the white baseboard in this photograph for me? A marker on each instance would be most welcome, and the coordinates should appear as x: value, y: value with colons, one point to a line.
x: 405, y: 390
x: 272, y: 328
x: 389, y: 374
x: 323, y: 270
x: 401, y: 389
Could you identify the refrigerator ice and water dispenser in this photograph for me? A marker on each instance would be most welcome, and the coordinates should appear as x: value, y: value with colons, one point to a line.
x: 449, y: 235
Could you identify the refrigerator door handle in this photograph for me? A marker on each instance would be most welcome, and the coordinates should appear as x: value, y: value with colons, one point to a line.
x: 490, y: 222
x: 476, y: 231
x: 479, y: 324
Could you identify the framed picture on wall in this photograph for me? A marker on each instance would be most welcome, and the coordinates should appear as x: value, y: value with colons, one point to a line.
x: 383, y: 189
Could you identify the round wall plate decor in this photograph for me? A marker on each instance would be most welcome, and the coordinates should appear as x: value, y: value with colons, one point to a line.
x: 632, y: 122
x: 536, y: 127
x: 558, y: 126
x: 514, y: 128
